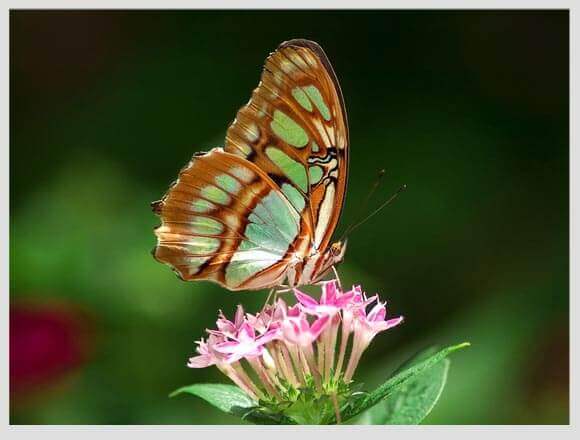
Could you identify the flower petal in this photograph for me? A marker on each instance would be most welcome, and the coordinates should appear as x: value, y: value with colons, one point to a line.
x: 239, y: 318
x: 305, y: 300
x: 318, y: 326
x: 246, y: 332
x: 295, y: 311
x: 394, y: 322
x: 329, y: 292
x: 227, y: 347
x: 344, y: 300
x: 377, y: 313
x: 201, y: 361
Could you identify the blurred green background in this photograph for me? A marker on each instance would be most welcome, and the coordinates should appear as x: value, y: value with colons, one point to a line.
x: 469, y: 109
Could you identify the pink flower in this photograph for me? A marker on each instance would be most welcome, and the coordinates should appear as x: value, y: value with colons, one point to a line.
x: 271, y: 316
x: 360, y: 301
x: 294, y: 312
x: 245, y: 344
x: 263, y: 321
x: 299, y: 331
x: 355, y: 307
x: 293, y: 345
x: 368, y: 326
x: 227, y: 327
x: 207, y: 354
x: 331, y: 301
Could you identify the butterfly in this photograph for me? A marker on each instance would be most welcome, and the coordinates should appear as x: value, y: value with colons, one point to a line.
x: 261, y: 211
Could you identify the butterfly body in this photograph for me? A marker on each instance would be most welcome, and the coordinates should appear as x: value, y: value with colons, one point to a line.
x: 261, y: 211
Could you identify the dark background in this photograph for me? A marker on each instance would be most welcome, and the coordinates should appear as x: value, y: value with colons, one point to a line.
x: 469, y: 109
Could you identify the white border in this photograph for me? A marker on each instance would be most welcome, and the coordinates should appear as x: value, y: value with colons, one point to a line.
x: 484, y: 432
x: 294, y: 4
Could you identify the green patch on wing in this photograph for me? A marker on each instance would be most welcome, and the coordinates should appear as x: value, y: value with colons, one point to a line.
x: 316, y: 97
x: 302, y: 98
x: 316, y: 173
x: 277, y: 223
x: 200, y: 205
x: 244, y: 174
x: 288, y: 130
x: 215, y: 194
x: 202, y: 245
x: 294, y: 196
x: 239, y: 271
x: 293, y: 169
x: 228, y: 183
x: 206, y: 225
x: 272, y: 227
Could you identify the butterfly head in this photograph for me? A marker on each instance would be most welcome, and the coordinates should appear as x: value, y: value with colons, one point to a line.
x: 336, y: 252
x: 338, y: 249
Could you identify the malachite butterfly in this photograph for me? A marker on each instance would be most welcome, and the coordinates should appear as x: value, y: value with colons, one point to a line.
x: 260, y: 212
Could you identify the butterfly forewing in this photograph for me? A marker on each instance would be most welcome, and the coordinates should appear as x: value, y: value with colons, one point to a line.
x: 294, y: 127
x: 243, y: 215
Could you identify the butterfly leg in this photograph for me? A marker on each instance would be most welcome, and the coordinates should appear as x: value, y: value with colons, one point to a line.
x: 337, y: 277
x: 285, y: 289
x: 273, y: 294
x: 270, y: 293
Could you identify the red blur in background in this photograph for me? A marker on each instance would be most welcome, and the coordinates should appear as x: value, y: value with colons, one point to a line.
x: 48, y: 341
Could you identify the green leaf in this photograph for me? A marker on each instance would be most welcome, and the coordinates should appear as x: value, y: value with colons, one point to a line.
x: 232, y: 400
x: 413, y: 401
x: 228, y: 398
x: 394, y: 384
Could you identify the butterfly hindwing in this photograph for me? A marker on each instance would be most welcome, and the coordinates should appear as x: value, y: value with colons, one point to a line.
x: 225, y: 220
x: 294, y: 127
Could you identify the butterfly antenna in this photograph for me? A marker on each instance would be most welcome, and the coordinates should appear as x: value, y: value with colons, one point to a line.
x: 363, y: 205
x: 372, y: 214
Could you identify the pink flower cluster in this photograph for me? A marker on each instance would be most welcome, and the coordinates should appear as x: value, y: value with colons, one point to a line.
x: 285, y: 346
